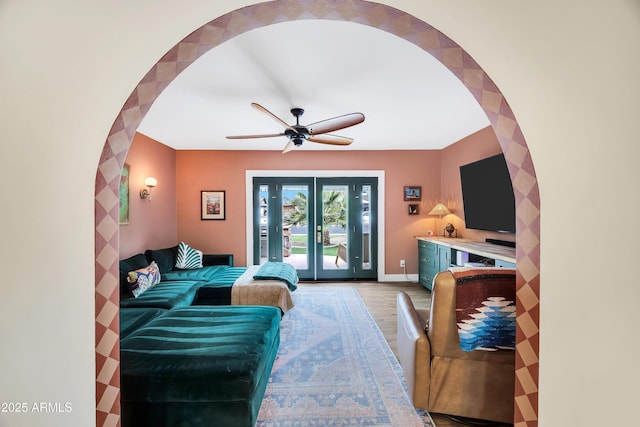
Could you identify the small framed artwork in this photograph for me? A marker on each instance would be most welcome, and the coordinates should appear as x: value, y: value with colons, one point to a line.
x: 412, y: 193
x: 414, y: 209
x: 212, y: 205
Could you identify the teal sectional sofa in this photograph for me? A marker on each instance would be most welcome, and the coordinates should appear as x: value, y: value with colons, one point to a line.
x: 198, y: 366
x: 188, y: 358
x: 209, y: 285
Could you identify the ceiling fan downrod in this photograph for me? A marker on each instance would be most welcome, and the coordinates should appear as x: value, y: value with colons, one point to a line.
x: 301, y: 132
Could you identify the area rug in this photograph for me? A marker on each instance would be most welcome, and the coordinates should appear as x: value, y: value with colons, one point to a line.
x: 334, y: 367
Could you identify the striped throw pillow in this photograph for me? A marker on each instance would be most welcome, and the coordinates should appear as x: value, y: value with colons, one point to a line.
x: 188, y: 258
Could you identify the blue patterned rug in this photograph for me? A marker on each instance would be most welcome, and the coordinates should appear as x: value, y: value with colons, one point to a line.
x: 334, y: 367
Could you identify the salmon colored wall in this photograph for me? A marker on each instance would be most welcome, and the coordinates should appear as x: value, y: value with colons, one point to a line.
x: 151, y: 224
x: 225, y: 170
x: 174, y: 213
x: 479, y: 145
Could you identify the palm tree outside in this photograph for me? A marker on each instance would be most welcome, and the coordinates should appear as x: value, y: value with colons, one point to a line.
x: 334, y: 213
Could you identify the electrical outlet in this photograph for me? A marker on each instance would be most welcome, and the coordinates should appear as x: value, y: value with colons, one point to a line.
x: 401, y: 263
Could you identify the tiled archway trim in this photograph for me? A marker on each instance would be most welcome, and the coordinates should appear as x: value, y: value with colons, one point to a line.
x: 356, y: 11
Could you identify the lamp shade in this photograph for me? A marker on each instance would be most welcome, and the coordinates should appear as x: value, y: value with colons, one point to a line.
x: 439, y: 209
x: 150, y: 181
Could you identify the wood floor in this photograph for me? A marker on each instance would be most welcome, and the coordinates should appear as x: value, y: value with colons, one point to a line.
x: 380, y: 299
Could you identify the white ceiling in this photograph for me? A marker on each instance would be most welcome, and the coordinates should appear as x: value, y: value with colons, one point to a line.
x: 329, y: 68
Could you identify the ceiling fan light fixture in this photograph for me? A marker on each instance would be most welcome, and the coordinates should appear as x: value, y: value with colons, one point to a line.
x: 317, y: 132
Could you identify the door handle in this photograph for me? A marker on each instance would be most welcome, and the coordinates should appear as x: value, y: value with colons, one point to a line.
x: 319, y: 237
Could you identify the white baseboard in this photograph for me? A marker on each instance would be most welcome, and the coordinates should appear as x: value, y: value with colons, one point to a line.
x: 398, y: 278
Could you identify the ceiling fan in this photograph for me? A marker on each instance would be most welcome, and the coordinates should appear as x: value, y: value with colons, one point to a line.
x: 315, y: 132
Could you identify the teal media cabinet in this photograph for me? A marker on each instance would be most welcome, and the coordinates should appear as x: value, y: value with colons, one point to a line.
x: 436, y: 254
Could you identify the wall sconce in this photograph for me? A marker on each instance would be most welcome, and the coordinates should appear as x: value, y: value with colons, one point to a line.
x: 150, y: 182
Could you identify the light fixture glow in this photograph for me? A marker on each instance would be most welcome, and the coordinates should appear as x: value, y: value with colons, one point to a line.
x: 440, y: 210
x: 150, y: 182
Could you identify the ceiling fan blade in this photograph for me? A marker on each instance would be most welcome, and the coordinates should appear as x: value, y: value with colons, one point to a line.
x: 267, y: 135
x: 273, y: 116
x: 335, y: 123
x: 290, y: 146
x: 330, y: 139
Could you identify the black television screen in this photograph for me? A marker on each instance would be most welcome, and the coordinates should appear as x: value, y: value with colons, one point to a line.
x: 487, y: 195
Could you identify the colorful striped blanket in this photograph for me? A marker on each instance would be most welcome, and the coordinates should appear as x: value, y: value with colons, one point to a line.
x: 485, y: 308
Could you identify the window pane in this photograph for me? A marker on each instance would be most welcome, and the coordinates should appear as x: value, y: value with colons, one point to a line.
x: 335, y: 243
x: 295, y: 208
x: 366, y: 227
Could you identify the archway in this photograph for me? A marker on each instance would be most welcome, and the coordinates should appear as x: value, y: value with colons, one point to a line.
x: 382, y: 17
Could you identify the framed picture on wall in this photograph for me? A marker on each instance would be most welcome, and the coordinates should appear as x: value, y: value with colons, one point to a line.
x: 123, y: 214
x: 412, y: 193
x: 212, y: 205
x: 414, y: 209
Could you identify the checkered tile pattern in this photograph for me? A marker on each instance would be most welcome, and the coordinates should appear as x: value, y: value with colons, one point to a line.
x: 362, y: 12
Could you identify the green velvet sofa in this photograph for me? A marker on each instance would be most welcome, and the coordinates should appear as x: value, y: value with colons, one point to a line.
x: 188, y: 358
x: 198, y: 366
x: 209, y: 285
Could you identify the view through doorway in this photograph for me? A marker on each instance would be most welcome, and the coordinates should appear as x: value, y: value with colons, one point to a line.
x: 326, y: 227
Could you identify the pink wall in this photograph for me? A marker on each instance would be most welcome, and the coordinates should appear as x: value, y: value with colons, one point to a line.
x: 479, y: 145
x: 151, y: 224
x: 174, y: 213
x: 225, y: 170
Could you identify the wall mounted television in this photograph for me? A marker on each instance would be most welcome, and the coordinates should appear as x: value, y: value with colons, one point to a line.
x: 487, y: 195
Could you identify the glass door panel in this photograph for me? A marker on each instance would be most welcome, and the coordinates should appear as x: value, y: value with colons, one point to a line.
x: 281, y: 229
x: 366, y: 227
x: 263, y: 227
x: 331, y: 235
x: 295, y: 225
x: 346, y: 242
x: 367, y: 188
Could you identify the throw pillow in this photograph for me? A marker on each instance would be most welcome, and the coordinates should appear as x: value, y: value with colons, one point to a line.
x: 188, y: 258
x: 144, y: 278
x: 125, y: 266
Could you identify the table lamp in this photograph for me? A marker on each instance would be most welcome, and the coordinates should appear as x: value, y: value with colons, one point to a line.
x: 440, y: 210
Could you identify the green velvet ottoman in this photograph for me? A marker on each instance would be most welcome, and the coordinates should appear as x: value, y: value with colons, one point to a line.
x: 199, y: 366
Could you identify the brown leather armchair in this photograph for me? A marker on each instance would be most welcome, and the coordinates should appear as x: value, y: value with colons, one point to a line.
x: 442, y: 378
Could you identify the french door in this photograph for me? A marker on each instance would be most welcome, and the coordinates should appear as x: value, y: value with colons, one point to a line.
x: 325, y: 227
x: 281, y: 231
